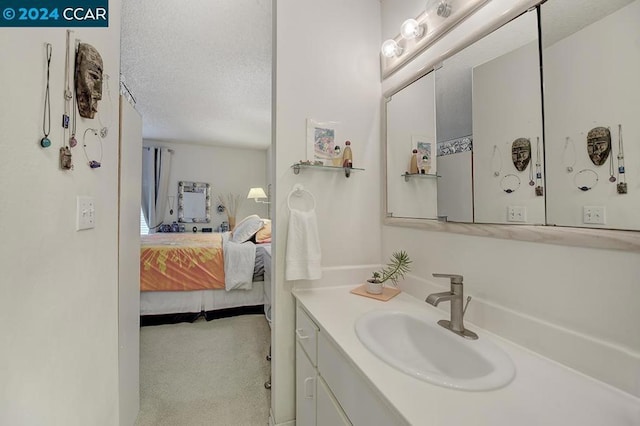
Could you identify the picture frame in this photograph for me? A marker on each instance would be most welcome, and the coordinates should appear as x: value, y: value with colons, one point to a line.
x: 322, y: 139
x: 426, y: 153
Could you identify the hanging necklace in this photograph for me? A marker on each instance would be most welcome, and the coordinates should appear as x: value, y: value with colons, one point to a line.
x: 92, y: 163
x: 531, y: 181
x: 539, y: 188
x: 496, y: 170
x: 612, y: 177
x: 622, y: 185
x: 569, y: 165
x: 72, y: 140
x: 171, y: 199
x: 45, y: 142
x: 588, y: 176
x: 104, y: 128
x: 510, y: 183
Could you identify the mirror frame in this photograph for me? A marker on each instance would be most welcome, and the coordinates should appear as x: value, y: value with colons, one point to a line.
x: 201, y: 187
x: 566, y: 236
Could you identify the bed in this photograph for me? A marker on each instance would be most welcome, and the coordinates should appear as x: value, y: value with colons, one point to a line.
x: 186, y: 275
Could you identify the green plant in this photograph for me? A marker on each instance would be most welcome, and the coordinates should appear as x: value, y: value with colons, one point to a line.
x: 395, y: 269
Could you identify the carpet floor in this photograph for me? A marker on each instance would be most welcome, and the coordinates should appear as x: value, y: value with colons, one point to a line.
x: 205, y: 373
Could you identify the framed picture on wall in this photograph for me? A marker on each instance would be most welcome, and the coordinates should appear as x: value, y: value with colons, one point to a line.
x: 426, y: 153
x: 322, y: 141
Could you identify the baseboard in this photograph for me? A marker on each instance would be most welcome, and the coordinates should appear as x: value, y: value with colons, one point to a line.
x: 273, y: 423
x: 571, y: 348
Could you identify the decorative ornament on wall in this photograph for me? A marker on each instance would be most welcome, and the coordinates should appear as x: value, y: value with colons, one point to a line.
x: 88, y: 76
x: 599, y: 145
x: 521, y: 153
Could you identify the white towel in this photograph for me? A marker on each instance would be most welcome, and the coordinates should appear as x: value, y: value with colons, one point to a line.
x: 302, y: 261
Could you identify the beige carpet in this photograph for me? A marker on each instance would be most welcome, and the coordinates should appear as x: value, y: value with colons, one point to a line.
x: 205, y: 373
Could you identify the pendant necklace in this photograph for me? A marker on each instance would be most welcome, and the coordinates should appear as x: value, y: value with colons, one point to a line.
x: 104, y: 128
x: 510, y: 183
x: 531, y: 181
x: 569, y: 165
x: 45, y: 142
x: 622, y: 185
x: 612, y: 177
x: 496, y: 170
x: 68, y: 96
x: 586, y: 179
x: 539, y: 188
x: 94, y: 164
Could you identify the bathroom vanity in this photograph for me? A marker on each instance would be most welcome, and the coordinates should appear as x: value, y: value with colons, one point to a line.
x: 340, y: 382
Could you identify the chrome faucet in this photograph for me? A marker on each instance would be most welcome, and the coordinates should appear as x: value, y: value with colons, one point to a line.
x: 455, y: 296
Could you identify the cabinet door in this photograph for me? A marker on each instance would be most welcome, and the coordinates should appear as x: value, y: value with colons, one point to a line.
x: 329, y: 411
x: 306, y: 376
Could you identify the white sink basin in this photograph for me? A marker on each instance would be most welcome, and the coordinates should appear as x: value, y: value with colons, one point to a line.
x: 419, y: 347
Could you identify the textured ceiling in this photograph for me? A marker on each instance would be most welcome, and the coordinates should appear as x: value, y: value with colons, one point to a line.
x: 200, y: 70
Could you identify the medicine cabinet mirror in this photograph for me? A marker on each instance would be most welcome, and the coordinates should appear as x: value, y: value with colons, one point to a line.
x: 591, y: 57
x: 194, y: 202
x: 474, y: 106
x: 486, y: 94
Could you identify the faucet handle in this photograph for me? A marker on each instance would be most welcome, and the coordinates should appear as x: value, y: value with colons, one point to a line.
x: 455, y: 278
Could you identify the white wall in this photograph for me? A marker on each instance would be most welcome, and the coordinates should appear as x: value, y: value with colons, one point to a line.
x: 604, y: 92
x: 228, y: 170
x: 58, y: 291
x: 327, y: 68
x: 586, y: 296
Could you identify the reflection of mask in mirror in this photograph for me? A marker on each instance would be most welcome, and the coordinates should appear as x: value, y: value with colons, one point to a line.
x: 88, y: 80
x: 599, y: 145
x: 521, y: 153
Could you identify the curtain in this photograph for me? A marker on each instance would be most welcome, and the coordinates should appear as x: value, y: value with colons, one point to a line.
x: 156, y: 165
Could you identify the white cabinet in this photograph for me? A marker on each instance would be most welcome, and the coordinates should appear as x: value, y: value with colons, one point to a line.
x: 306, y: 376
x: 330, y: 391
x: 329, y: 411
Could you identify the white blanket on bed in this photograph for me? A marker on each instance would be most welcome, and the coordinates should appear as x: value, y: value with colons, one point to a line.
x: 239, y: 261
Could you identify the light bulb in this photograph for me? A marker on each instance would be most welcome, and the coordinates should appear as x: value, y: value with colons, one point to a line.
x: 411, y: 29
x: 390, y: 48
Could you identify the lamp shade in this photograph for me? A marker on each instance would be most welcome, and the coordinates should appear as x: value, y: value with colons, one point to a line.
x: 256, y: 193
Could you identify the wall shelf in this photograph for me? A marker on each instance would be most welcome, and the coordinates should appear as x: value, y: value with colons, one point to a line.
x: 347, y: 170
x: 408, y: 176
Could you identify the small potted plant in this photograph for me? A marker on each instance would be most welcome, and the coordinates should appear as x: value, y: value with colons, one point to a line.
x: 395, y: 269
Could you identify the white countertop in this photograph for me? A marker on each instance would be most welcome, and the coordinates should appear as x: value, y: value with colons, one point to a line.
x: 542, y: 393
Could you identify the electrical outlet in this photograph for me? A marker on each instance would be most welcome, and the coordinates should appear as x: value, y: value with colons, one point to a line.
x: 85, y: 213
x: 516, y: 214
x: 593, y: 215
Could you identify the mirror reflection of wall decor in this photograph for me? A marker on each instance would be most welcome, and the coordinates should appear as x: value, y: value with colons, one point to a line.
x: 599, y: 145
x: 194, y: 202
x: 591, y: 66
x: 521, y: 153
x: 425, y: 155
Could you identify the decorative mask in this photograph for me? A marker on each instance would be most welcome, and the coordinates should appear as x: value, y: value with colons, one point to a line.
x: 599, y: 145
x: 521, y: 153
x: 88, y: 80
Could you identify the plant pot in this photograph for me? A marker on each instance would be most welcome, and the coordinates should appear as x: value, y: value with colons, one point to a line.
x: 374, y: 287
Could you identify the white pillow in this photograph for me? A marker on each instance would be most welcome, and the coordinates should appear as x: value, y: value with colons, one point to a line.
x: 246, y: 228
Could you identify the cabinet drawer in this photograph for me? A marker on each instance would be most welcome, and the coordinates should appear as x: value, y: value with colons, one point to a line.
x: 307, y: 334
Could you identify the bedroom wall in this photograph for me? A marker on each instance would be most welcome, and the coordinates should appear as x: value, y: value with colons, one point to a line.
x: 228, y: 170
x: 577, y: 306
x: 59, y: 287
x: 330, y: 73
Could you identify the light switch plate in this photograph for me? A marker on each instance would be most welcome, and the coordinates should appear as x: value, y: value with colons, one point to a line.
x: 516, y: 214
x: 85, y: 213
x: 593, y: 215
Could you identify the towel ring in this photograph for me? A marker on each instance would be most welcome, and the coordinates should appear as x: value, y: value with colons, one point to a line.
x: 299, y: 191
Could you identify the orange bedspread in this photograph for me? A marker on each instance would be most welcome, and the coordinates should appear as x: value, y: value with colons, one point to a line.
x: 178, y: 262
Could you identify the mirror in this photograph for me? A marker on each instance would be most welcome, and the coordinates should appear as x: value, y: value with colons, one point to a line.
x: 412, y: 176
x: 591, y: 60
x: 487, y: 109
x: 194, y: 202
